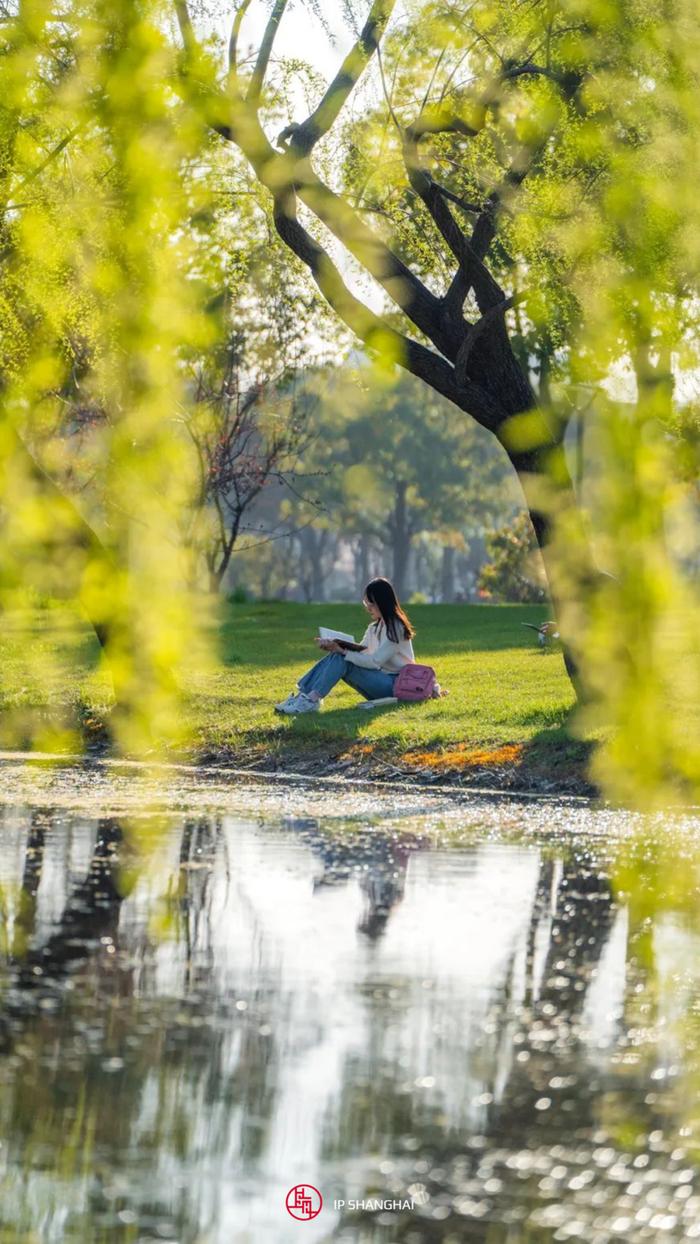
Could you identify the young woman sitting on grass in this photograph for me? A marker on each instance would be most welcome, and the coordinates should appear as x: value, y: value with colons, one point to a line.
x: 387, y: 648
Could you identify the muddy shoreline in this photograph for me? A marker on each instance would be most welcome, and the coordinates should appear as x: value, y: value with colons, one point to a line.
x: 509, y: 777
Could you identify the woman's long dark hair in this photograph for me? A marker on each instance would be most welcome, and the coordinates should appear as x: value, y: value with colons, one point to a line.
x: 380, y: 592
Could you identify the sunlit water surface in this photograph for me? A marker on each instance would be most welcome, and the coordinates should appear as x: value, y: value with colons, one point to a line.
x: 481, y: 1012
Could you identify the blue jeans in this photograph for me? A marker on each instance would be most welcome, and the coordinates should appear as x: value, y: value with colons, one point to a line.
x: 372, y: 684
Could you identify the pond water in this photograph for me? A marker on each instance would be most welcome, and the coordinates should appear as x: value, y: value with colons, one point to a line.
x: 454, y: 1018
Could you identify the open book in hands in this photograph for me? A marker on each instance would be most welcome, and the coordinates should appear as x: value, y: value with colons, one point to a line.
x: 341, y: 639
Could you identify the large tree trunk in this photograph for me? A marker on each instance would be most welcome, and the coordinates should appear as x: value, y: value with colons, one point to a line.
x: 563, y: 542
x: 544, y: 477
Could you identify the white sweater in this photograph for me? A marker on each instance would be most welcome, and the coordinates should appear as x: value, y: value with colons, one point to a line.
x: 381, y: 653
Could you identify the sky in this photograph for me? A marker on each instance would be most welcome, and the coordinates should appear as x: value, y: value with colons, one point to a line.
x: 300, y: 34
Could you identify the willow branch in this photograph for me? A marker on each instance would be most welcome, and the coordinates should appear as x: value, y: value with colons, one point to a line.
x: 305, y: 136
x: 485, y: 227
x: 235, y: 34
x: 53, y: 154
x: 373, y: 330
x: 184, y: 21
x: 265, y: 51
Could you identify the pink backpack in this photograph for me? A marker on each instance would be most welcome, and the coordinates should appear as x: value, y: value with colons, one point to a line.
x: 415, y: 682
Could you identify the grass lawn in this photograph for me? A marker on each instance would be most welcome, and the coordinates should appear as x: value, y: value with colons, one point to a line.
x: 508, y: 704
x: 506, y: 697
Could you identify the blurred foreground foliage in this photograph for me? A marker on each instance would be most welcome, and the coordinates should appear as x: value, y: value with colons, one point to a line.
x: 142, y: 312
x: 97, y: 300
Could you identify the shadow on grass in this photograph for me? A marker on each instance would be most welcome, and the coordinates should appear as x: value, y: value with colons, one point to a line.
x: 345, y: 723
x: 553, y: 762
x: 558, y: 754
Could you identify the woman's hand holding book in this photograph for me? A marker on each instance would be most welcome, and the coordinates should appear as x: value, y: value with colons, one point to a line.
x: 328, y: 645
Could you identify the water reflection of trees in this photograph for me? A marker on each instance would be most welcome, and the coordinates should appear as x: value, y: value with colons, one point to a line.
x: 101, y: 1070
x: 120, y: 1086
x: 539, y: 1091
x: 103, y: 1080
x: 377, y: 860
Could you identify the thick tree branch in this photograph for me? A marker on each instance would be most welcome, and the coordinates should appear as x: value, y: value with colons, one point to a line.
x: 287, y: 175
x: 374, y: 331
x: 305, y: 136
x: 395, y: 277
x: 184, y: 21
x: 472, y: 272
x: 473, y: 333
x: 235, y: 35
x: 439, y: 120
x: 529, y: 70
x: 265, y: 51
x: 472, y: 209
x: 286, y: 171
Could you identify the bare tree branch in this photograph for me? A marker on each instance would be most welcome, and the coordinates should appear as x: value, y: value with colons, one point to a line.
x: 280, y: 535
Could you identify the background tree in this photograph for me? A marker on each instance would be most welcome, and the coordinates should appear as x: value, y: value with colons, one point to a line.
x: 245, y: 441
x: 252, y: 391
x: 412, y: 468
x: 384, y: 466
x: 514, y: 571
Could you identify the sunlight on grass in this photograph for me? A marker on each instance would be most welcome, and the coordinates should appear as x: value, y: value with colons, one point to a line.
x: 504, y: 692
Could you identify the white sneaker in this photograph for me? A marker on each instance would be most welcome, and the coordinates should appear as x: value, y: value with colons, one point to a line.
x: 286, y: 706
x: 304, y: 704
